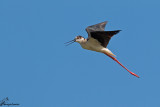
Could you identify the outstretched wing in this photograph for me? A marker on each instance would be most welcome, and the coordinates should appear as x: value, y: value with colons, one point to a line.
x: 103, y: 36
x: 97, y: 27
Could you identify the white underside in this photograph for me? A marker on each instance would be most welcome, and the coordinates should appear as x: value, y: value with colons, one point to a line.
x: 94, y: 45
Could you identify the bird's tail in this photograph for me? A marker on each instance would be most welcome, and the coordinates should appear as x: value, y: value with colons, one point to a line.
x: 121, y: 65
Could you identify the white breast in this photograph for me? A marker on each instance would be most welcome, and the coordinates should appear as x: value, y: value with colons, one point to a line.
x: 94, y: 45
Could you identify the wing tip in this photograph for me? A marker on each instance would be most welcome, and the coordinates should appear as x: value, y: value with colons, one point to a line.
x: 105, y: 22
x: 116, y: 31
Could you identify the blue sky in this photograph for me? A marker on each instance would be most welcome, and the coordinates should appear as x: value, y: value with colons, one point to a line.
x: 37, y: 70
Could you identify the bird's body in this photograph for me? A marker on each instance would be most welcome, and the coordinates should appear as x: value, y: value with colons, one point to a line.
x: 98, y: 40
x: 93, y: 45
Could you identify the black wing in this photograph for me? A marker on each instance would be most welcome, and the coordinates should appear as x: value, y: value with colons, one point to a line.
x: 97, y: 27
x: 11, y: 104
x: 103, y: 36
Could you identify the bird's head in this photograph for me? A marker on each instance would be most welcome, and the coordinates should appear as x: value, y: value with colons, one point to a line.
x: 78, y: 39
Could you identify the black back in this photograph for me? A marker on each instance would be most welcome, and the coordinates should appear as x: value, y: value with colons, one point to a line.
x: 103, y: 36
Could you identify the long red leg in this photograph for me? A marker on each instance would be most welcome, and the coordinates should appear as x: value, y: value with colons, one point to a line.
x: 121, y: 65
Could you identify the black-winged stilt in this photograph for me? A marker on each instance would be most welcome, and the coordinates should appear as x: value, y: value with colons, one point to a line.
x: 98, y: 40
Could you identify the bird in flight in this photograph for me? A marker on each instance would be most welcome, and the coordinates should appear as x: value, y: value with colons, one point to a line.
x: 98, y: 40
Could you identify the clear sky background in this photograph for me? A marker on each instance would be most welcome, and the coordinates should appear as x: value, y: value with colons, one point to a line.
x: 38, y: 70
